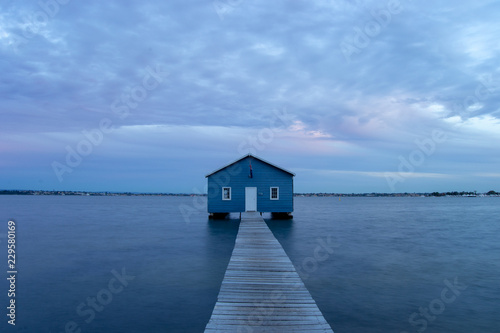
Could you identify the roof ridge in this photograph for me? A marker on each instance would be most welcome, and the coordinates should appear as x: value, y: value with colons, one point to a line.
x: 245, y: 156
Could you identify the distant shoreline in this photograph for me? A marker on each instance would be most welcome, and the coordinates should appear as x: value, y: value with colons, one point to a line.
x: 88, y: 193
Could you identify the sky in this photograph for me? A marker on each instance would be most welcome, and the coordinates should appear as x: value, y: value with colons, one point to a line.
x: 352, y: 96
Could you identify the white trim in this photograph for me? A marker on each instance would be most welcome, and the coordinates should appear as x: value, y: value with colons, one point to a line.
x: 277, y: 193
x: 223, y: 198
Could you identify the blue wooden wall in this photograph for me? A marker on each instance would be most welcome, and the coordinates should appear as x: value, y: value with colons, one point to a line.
x: 236, y: 176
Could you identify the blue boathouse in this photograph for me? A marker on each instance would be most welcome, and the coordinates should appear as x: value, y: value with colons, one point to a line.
x: 250, y: 184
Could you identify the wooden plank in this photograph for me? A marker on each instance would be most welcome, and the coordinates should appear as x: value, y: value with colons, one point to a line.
x: 261, y: 290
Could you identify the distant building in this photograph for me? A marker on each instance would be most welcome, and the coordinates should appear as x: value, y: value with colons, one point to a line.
x: 250, y: 184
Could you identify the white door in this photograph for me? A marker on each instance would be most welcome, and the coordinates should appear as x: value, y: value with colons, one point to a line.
x: 250, y: 199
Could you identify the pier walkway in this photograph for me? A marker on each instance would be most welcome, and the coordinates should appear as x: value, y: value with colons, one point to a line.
x: 261, y: 290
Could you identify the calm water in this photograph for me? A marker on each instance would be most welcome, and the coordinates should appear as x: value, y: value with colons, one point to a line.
x: 386, y: 259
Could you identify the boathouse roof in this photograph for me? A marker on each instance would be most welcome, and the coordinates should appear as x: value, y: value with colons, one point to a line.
x: 252, y: 156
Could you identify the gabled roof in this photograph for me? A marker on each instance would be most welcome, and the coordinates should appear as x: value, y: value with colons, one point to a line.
x: 253, y: 156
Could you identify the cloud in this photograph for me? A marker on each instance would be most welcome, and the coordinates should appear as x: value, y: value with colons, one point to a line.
x: 488, y: 175
x: 423, y: 67
x: 375, y: 174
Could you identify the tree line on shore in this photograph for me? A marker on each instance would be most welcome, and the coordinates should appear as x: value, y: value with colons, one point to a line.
x: 463, y: 194
x: 84, y: 193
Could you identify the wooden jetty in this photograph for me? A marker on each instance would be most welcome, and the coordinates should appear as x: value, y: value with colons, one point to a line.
x: 261, y: 290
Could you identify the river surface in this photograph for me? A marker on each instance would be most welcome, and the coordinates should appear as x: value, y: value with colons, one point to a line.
x: 155, y: 264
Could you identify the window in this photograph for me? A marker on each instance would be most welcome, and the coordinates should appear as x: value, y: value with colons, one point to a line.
x: 275, y: 193
x: 226, y: 193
